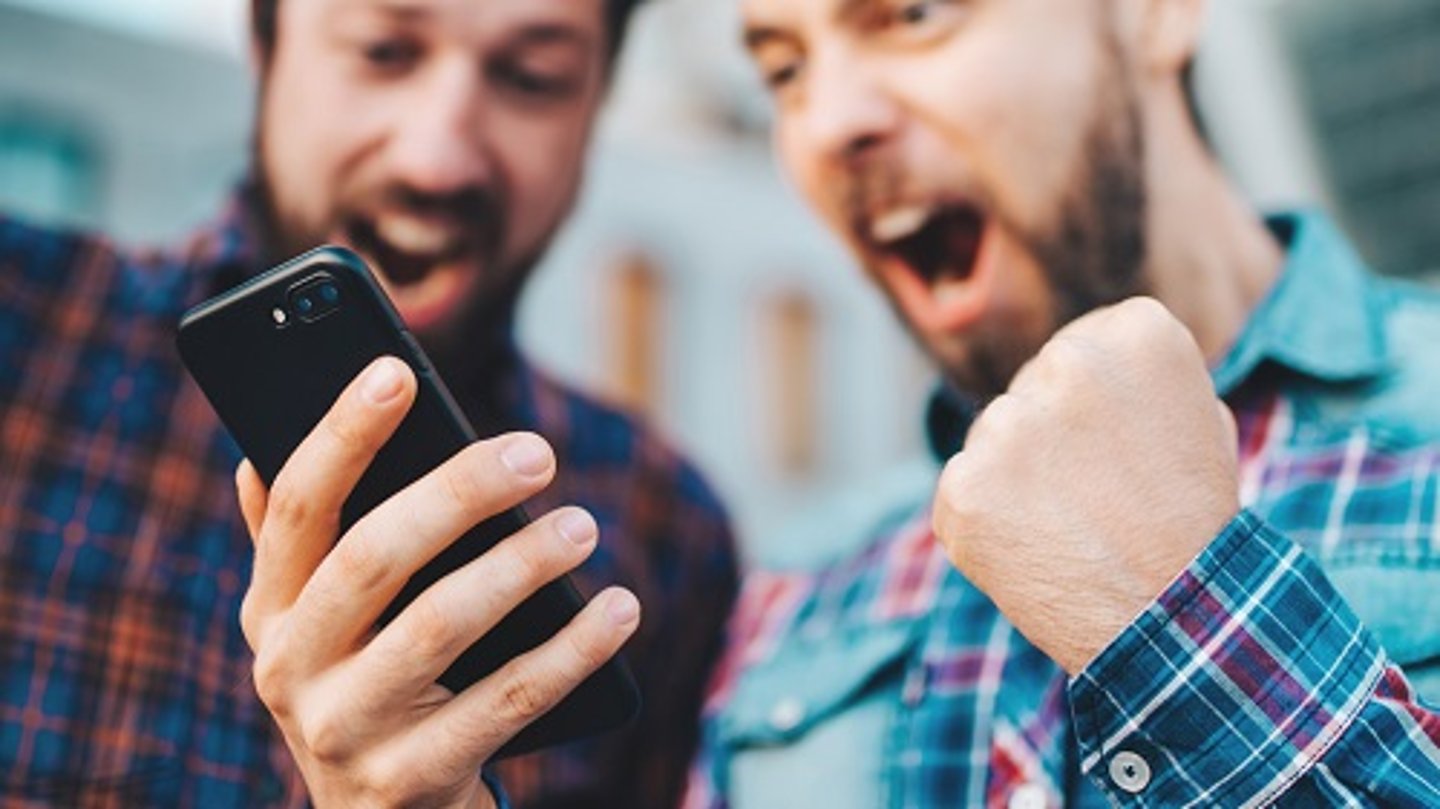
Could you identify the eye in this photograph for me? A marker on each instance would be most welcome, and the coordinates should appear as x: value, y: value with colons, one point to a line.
x: 915, y: 13
x: 921, y: 21
x: 536, y: 84
x: 391, y: 55
x: 777, y: 78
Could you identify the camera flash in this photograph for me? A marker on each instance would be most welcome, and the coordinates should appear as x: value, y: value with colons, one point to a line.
x: 279, y: 315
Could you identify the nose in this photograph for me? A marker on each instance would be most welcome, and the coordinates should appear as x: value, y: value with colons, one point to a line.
x: 848, y: 113
x: 440, y: 146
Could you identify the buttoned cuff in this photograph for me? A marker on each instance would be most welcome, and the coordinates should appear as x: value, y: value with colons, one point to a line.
x: 492, y: 782
x: 1231, y: 685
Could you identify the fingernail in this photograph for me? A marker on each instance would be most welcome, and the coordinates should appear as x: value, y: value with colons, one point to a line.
x: 577, y: 526
x: 623, y: 607
x: 382, y: 382
x: 526, y: 455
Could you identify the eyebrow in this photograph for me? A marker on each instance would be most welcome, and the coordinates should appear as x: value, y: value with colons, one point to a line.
x: 546, y: 33
x: 758, y: 36
x: 848, y: 11
x: 407, y: 10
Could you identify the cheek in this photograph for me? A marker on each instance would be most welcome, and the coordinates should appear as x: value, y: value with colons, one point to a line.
x: 542, y: 162
x: 1019, y: 121
x: 802, y: 166
x: 314, y: 126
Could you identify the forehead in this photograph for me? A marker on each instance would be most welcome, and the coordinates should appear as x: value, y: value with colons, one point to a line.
x: 490, y: 14
x: 790, y: 13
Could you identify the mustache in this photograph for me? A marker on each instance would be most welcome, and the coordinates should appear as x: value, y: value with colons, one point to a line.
x: 478, y: 210
x: 866, y: 188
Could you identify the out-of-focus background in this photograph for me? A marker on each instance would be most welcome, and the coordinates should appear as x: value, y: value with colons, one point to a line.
x: 692, y: 285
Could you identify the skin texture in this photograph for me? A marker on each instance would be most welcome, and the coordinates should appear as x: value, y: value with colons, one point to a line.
x: 444, y: 139
x: 1106, y: 465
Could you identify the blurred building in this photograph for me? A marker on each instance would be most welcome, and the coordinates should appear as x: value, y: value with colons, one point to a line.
x: 692, y: 285
x: 98, y: 127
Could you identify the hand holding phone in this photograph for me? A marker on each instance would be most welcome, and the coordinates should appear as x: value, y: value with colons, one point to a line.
x: 409, y: 622
x: 360, y: 708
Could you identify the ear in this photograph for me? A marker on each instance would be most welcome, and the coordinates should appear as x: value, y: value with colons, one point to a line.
x: 257, y: 59
x: 261, y: 51
x: 1171, y: 33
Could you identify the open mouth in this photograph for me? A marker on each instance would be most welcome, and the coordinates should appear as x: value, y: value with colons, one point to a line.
x: 428, y: 266
x: 938, y: 243
x: 406, y: 251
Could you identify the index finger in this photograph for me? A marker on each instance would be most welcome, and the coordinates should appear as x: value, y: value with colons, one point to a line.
x: 302, y: 516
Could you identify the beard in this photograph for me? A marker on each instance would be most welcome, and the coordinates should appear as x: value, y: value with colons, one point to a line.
x: 1092, y: 253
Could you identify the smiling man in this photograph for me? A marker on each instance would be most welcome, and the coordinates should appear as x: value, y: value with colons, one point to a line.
x: 1126, y: 590
x: 445, y: 140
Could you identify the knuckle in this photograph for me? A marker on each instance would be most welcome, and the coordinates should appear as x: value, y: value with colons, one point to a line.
x: 345, y: 428
x: 388, y: 782
x: 430, y: 631
x: 250, y: 620
x: 1147, y: 318
x: 272, y: 683
x: 359, y: 560
x: 326, y: 737
x: 530, y: 564
x: 288, y: 505
x: 999, y: 418
x: 587, y: 649
x: 1067, y: 358
x: 522, y: 699
x: 461, y: 481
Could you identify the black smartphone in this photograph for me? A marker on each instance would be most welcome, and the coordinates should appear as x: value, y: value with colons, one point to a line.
x: 273, y: 354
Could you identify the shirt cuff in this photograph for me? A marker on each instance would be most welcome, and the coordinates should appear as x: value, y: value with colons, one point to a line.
x: 492, y: 782
x: 1231, y: 685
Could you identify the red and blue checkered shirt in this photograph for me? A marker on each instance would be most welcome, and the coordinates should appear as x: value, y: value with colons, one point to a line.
x: 124, y: 678
x: 1269, y: 672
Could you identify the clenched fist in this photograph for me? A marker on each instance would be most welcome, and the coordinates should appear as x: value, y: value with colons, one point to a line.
x: 1096, y: 479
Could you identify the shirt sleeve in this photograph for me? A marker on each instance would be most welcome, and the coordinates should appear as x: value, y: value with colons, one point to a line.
x: 1249, y: 681
x: 492, y: 783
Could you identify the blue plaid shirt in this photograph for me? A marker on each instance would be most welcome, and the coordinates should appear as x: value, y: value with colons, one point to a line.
x: 1270, y: 671
x: 124, y: 678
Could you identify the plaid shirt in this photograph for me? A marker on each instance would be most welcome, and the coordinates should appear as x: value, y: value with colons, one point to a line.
x: 124, y: 678
x: 884, y: 678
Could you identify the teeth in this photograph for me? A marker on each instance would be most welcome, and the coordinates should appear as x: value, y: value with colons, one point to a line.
x: 898, y: 223
x: 947, y: 290
x: 416, y: 237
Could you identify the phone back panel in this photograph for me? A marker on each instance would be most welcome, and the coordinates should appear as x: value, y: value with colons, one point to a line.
x: 272, y: 383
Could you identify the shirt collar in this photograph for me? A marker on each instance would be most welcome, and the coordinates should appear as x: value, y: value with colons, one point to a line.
x: 1323, y: 319
x: 229, y: 249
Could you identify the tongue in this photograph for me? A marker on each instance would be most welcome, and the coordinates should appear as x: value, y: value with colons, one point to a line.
x: 945, y: 248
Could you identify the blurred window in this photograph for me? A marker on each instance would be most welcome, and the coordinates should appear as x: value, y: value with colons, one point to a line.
x: 637, y: 304
x: 792, y: 354
x: 47, y: 170
x: 1370, y: 74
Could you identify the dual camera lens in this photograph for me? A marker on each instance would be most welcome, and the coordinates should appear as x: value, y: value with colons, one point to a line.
x: 309, y: 300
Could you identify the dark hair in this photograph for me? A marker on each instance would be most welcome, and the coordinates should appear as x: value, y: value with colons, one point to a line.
x: 263, y: 15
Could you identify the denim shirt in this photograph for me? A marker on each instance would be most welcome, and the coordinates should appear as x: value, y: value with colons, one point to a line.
x: 875, y: 675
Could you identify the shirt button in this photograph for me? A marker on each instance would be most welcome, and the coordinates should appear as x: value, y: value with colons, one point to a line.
x: 1027, y: 796
x: 1129, y: 771
x: 787, y: 715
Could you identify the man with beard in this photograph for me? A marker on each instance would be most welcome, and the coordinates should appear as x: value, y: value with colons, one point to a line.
x: 444, y: 139
x: 1105, y: 602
